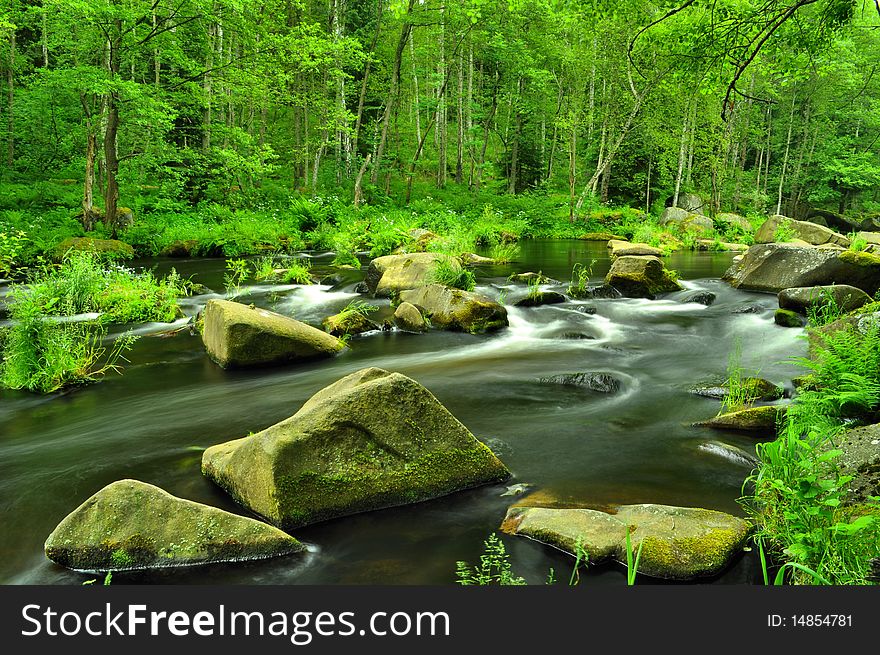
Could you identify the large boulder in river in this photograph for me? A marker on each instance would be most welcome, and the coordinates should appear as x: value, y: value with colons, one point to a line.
x: 640, y: 277
x: 392, y: 274
x: 812, y: 233
x: 802, y: 299
x: 734, y: 220
x: 762, y: 419
x: 408, y: 318
x: 133, y: 525
x: 238, y: 336
x: 454, y: 309
x: 773, y: 267
x: 373, y: 439
x: 679, y: 543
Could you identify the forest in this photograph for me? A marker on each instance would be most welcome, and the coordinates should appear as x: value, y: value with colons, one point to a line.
x: 630, y: 249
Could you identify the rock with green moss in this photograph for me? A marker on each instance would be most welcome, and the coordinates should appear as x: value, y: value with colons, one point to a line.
x: 860, y: 458
x: 473, y: 259
x: 374, y: 439
x: 538, y: 298
x: 802, y: 299
x: 408, y: 318
x: 622, y: 248
x: 680, y: 543
x: 180, y: 248
x: 389, y: 275
x: 756, y: 388
x: 457, y: 310
x: 773, y: 267
x: 240, y: 336
x: 811, y: 233
x: 640, y: 277
x: 686, y: 220
x: 104, y: 248
x: 789, y: 319
x: 532, y: 278
x: 348, y: 323
x: 734, y: 220
x: 133, y: 525
x: 763, y: 418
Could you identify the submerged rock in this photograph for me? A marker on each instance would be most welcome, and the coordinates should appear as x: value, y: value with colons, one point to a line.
x: 238, y: 336
x: 776, y: 266
x: 731, y: 453
x: 407, y: 317
x: 802, y: 299
x: 373, y: 439
x: 599, y: 382
x: 392, y: 274
x: 789, y: 319
x: 532, y: 278
x: 701, y: 298
x: 763, y: 418
x: 640, y: 277
x: 541, y: 298
x: 454, y: 309
x: 680, y: 543
x: 133, y: 525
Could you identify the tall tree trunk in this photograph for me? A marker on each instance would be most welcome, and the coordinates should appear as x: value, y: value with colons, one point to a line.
x: 682, y: 145
x: 416, y: 108
x: 785, y: 156
x: 207, y: 84
x: 44, y: 38
x: 513, y: 175
x: 459, y: 155
x: 380, y: 6
x: 391, y: 99
x: 478, y: 179
x: 111, y: 156
x: 572, y: 170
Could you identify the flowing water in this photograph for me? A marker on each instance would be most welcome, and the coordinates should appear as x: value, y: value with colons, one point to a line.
x: 635, y: 445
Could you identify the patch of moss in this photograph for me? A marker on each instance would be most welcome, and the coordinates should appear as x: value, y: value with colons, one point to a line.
x: 311, y: 496
x: 684, y: 557
x: 859, y: 258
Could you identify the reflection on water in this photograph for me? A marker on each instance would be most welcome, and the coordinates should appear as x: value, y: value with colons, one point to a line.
x: 635, y: 445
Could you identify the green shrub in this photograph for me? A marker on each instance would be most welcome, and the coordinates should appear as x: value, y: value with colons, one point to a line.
x: 494, y: 567
x: 449, y: 275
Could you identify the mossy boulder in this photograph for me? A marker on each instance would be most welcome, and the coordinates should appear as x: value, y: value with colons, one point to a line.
x: 687, y: 221
x: 802, y: 299
x: 773, y: 267
x: 532, y: 278
x: 454, y: 309
x: 133, y: 525
x: 700, y: 297
x: 680, y: 543
x: 348, y: 323
x: 105, y: 248
x: 860, y: 458
x: 179, y: 249
x: 408, y: 318
x: 622, y: 248
x: 239, y: 336
x: 374, y: 439
x: 788, y: 319
x: 473, y: 259
x: 756, y: 388
x: 735, y: 220
x: 422, y: 238
x: 762, y: 418
x: 811, y: 233
x: 389, y: 275
x: 539, y: 298
x: 640, y: 277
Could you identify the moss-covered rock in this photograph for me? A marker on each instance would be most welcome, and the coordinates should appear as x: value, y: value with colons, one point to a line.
x: 408, y: 318
x: 454, y: 309
x: 532, y: 278
x: 348, y: 323
x: 802, y: 299
x: 679, y: 543
x: 238, y: 336
x: 106, y: 248
x: 389, y: 275
x: 473, y: 259
x: 179, y: 249
x: 686, y: 220
x: 811, y: 233
x: 372, y: 440
x: 756, y: 388
x: 789, y: 319
x: 622, y: 248
x: 773, y: 267
x: 763, y: 419
x: 640, y: 277
x: 133, y: 525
